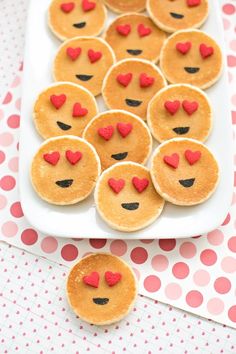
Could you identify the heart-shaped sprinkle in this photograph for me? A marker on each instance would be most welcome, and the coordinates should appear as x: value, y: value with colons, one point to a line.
x: 73, y: 157
x: 106, y: 132
x: 172, y: 106
x: 184, y: 48
x: 192, y: 156
x: 172, y: 160
x: 116, y: 184
x: 124, y: 30
x: 94, y: 56
x: 58, y: 100
x: 112, y: 278
x: 206, y: 51
x: 140, y: 184
x: 73, y: 53
x: 192, y: 3
x: 190, y: 107
x: 92, y: 279
x: 124, y: 79
x: 52, y: 157
x: 88, y: 5
x: 124, y: 129
x: 68, y: 7
x: 145, y: 80
x: 79, y: 111
x: 144, y: 31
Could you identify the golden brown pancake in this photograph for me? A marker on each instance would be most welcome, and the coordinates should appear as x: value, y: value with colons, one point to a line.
x: 121, y: 6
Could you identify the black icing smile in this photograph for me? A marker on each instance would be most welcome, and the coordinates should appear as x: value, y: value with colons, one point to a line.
x: 191, y: 70
x: 181, y: 130
x: 176, y: 16
x: 120, y: 156
x: 84, y: 77
x: 100, y: 300
x: 130, y: 206
x: 63, y: 126
x: 133, y: 103
x: 187, y: 182
x: 79, y: 25
x: 134, y: 51
x: 65, y: 183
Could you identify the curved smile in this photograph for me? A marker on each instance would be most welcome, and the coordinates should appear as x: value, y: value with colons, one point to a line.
x: 79, y: 25
x: 84, y: 77
x: 65, y: 183
x: 175, y: 15
x: 191, y: 70
x: 134, y: 51
x: 63, y: 126
x: 100, y: 300
x: 130, y: 206
x: 187, y: 182
x: 133, y: 103
x: 120, y: 156
x: 181, y: 130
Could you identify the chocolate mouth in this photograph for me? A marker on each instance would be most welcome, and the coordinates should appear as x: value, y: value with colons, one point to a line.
x: 187, y: 182
x: 63, y: 126
x: 79, y: 25
x: 191, y: 70
x: 100, y: 300
x: 133, y: 103
x: 181, y: 130
x: 84, y: 77
x: 175, y: 15
x: 134, y: 51
x: 65, y: 183
x: 130, y: 206
x: 120, y: 156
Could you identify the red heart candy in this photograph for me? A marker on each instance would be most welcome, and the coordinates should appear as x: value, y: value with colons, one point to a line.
x: 88, y: 5
x: 172, y: 160
x: 94, y: 56
x: 192, y: 3
x: 146, y: 81
x: 144, y: 31
x: 124, y: 129
x: 106, y: 132
x: 92, y: 279
x: 67, y: 7
x: 183, y: 48
x: 73, y: 53
x: 79, y: 111
x: 206, y: 51
x: 116, y: 184
x: 190, y: 107
x: 140, y: 184
x: 124, y: 30
x: 112, y: 278
x: 52, y: 157
x: 58, y: 100
x: 124, y: 79
x: 192, y: 156
x: 172, y: 106
x: 73, y: 157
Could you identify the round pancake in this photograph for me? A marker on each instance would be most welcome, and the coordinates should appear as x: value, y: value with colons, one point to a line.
x: 122, y: 6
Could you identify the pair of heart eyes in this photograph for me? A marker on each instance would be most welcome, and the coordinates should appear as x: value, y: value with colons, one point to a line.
x: 144, y: 80
x: 59, y: 100
x: 118, y: 184
x: 185, y: 47
x: 93, y: 279
x: 70, y: 6
x: 72, y: 157
x: 125, y: 30
x: 74, y: 53
x: 107, y: 132
x: 191, y: 3
x: 191, y: 156
x: 173, y: 106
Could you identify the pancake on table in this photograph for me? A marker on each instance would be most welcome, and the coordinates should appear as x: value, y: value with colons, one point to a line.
x: 135, y: 36
x: 180, y: 110
x: 68, y: 19
x: 184, y: 171
x: 65, y: 170
x: 63, y: 108
x: 119, y: 136
x: 126, y: 198
x: 174, y: 15
x: 101, y: 288
x: 122, y: 6
x: 84, y: 61
x: 196, y: 56
x: 130, y: 84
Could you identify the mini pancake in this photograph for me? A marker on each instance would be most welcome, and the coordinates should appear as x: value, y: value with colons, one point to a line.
x: 126, y: 198
x: 63, y: 108
x: 119, y: 136
x: 68, y: 19
x: 122, y: 6
x: 197, y: 58
x: 172, y: 16
x: 184, y: 171
x: 84, y: 61
x: 132, y: 36
x: 101, y: 288
x: 65, y: 170
x: 130, y: 85
x: 180, y: 111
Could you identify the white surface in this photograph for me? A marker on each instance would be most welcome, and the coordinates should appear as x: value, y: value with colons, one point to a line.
x: 82, y: 219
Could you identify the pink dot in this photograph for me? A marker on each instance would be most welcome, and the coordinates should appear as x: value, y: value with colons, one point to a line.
x: 232, y: 244
x: 16, y: 82
x: 201, y: 277
x: 167, y: 244
x: 173, y: 291
x: 97, y: 243
x: 187, y: 250
x: 16, y: 210
x: 215, y: 237
x: 3, y: 201
x: 6, y: 139
x: 49, y: 244
x: 147, y: 241
x: 233, y: 100
x: 139, y: 255
x: 228, y: 264
x: 160, y: 263
x: 2, y: 157
x: 227, y: 220
x: 29, y: 237
x: 194, y: 298
x: 233, y: 45
x: 180, y: 270
x: 226, y: 24
x: 208, y: 257
x: 69, y: 252
x: 232, y: 313
x: 13, y: 164
x: 118, y: 247
x: 7, y: 183
x: 215, y: 306
x: 228, y: 9
x: 9, y: 229
x: 222, y: 285
x: 152, y: 283
x: 231, y: 60
x: 18, y: 104
x: 7, y: 98
x: 14, y: 121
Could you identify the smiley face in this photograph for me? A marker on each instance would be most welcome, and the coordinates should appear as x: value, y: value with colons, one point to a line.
x: 84, y: 61
x: 174, y: 15
x: 64, y: 170
x: 68, y: 19
x: 184, y: 171
x: 101, y: 288
x: 133, y: 35
x: 130, y: 85
x: 197, y: 58
x: 180, y: 110
x: 122, y: 6
x: 123, y: 196
x: 119, y: 136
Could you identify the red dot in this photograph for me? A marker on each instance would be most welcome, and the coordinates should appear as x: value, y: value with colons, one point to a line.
x: 152, y: 283
x: 168, y: 244
x: 139, y: 255
x: 29, y: 237
x: 194, y: 298
x: 7, y: 183
x: 232, y: 313
x: 180, y: 270
x: 227, y: 220
x: 16, y: 210
x: 232, y: 244
x: 14, y: 121
x: 222, y: 285
x: 2, y: 157
x: 208, y: 257
x: 229, y: 9
x: 69, y: 252
x: 97, y: 243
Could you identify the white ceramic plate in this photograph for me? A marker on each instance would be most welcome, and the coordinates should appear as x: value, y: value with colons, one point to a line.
x: 82, y: 220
